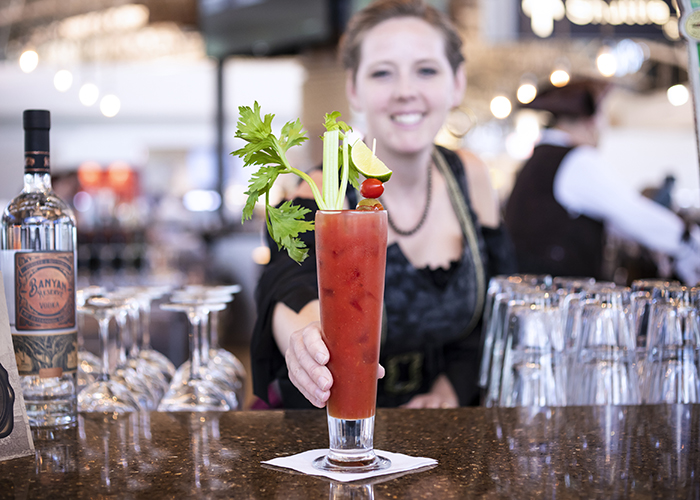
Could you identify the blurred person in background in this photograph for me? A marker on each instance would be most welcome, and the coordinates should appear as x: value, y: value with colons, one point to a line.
x: 405, y: 72
x: 566, y: 197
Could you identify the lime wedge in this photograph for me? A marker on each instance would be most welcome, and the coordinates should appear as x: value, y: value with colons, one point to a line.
x: 367, y: 163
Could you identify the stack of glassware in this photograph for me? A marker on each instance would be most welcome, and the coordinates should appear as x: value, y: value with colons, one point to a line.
x: 129, y: 375
x: 574, y: 341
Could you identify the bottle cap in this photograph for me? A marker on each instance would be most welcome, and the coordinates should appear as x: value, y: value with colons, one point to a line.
x: 37, y: 123
x: 37, y: 119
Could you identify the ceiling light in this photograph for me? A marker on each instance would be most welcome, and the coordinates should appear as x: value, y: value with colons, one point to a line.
x: 606, y: 63
x: 110, y: 105
x: 559, y: 78
x: 678, y: 95
x: 28, y: 61
x: 63, y: 80
x: 88, y: 94
x: 526, y: 93
x: 501, y: 107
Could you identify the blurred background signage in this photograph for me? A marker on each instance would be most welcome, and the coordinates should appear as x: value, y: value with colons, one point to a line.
x: 275, y: 27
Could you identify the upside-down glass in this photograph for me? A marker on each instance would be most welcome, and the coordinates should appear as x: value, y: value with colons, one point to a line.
x: 351, y: 260
x: 643, y: 292
x: 605, y: 353
x: 220, y: 375
x: 673, y: 353
x: 217, y: 355
x: 89, y: 365
x: 514, y: 288
x: 105, y: 394
x: 146, y: 296
x: 194, y: 393
x: 528, y: 372
x: 128, y: 373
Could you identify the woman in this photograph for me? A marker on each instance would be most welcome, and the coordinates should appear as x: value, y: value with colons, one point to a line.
x: 405, y: 71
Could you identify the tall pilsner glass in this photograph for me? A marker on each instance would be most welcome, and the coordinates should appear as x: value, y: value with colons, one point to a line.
x: 351, y: 259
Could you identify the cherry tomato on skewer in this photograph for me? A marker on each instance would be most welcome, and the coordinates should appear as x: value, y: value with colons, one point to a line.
x: 372, y: 188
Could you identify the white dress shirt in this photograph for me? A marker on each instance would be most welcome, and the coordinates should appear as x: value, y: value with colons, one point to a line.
x: 586, y: 185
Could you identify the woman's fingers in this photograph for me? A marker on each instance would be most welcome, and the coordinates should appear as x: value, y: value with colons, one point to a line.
x: 429, y: 400
x: 311, y: 377
x: 314, y: 343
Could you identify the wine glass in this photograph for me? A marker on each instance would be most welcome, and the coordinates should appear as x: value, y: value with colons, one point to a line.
x: 221, y: 357
x: 145, y: 392
x: 105, y: 394
x: 130, y: 324
x: 217, y: 354
x: 89, y: 365
x: 215, y: 365
x: 145, y: 296
x: 194, y: 393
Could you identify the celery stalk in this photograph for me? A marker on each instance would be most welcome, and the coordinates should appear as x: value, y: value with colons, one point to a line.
x: 346, y: 170
x: 330, y: 170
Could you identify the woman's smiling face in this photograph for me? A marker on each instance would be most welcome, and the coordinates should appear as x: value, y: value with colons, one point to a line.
x: 404, y: 84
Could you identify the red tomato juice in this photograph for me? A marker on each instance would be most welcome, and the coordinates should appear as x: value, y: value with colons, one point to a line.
x: 351, y: 259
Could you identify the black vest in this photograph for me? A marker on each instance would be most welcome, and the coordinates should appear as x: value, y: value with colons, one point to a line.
x: 547, y: 239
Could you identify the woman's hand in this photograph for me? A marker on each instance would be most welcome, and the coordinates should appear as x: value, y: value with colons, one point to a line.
x: 298, y: 336
x: 306, y: 358
x: 442, y: 395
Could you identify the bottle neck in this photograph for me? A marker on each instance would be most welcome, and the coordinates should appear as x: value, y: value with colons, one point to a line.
x: 37, y: 164
x: 37, y: 182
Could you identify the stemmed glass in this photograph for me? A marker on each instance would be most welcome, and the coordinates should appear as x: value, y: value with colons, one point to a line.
x: 223, y: 369
x: 145, y: 296
x: 105, y: 394
x: 130, y: 324
x: 89, y: 365
x: 140, y: 385
x: 194, y: 393
x: 217, y: 354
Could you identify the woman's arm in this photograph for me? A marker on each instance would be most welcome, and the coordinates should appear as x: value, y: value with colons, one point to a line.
x: 298, y: 337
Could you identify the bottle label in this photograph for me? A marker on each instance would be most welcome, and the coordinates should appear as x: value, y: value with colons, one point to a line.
x: 37, y: 162
x: 44, y: 291
x: 46, y: 355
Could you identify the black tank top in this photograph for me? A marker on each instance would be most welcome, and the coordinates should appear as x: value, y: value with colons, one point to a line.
x: 428, y: 310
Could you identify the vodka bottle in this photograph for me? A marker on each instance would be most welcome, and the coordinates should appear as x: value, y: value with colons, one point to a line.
x: 38, y: 263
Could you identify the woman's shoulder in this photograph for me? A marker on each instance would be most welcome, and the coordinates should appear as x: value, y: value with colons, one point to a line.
x: 484, y: 198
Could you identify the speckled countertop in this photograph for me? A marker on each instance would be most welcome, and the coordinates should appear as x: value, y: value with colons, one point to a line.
x: 570, y: 453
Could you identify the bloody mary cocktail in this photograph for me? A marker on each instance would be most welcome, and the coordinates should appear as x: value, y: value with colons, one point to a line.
x: 351, y: 258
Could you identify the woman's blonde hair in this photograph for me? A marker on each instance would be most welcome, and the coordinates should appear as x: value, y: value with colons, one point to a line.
x: 383, y: 10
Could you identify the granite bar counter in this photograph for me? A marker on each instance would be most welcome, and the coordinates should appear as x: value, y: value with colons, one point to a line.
x: 569, y: 453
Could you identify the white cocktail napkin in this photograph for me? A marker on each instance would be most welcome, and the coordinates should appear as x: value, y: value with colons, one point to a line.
x: 301, y: 462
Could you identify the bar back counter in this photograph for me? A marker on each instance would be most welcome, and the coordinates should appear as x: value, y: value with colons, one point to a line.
x: 569, y: 453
